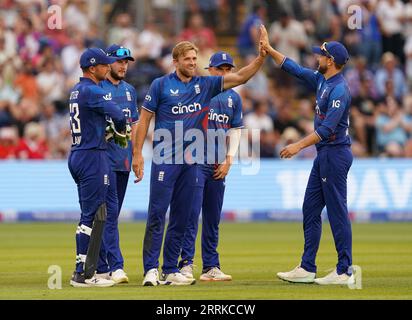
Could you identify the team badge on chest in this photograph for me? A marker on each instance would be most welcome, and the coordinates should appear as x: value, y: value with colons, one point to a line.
x: 197, y: 88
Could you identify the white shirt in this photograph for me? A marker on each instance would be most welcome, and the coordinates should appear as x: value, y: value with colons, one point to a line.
x: 293, y: 32
x: 253, y: 121
x: 390, y: 15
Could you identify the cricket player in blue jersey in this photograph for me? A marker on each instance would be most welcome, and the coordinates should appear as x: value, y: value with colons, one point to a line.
x: 327, y: 185
x: 225, y: 116
x: 111, y: 265
x: 89, y: 106
x: 180, y: 103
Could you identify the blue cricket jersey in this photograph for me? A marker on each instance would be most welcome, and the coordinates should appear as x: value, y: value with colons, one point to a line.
x: 124, y: 95
x: 332, y: 103
x: 180, y: 106
x: 225, y: 112
x: 89, y: 105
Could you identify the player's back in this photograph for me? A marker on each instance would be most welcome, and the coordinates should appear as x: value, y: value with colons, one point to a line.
x: 87, y: 117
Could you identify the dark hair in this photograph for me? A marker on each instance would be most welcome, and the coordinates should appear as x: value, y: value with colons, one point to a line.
x: 339, y: 66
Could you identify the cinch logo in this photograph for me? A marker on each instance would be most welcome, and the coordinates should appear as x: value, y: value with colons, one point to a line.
x: 181, y: 109
x: 218, y: 117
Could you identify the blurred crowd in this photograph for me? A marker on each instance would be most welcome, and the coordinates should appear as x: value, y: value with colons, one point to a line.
x: 39, y: 65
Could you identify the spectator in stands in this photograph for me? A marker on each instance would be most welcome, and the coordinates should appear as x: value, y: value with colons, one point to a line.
x: 257, y: 87
x: 284, y: 118
x: 259, y: 119
x: 198, y: 33
x: 390, y: 71
x: 391, y: 15
x: 150, y: 42
x: 370, y: 44
x: 75, y: 15
x: 25, y: 82
x: 8, y: 142
x: 289, y: 36
x: 28, y: 39
x: 8, y: 98
x: 304, y: 119
x: 391, y: 135
x: 359, y: 73
x: 50, y: 82
x: 363, y: 115
x: 70, y: 57
x: 208, y: 10
x: 249, y: 34
x: 33, y: 145
x: 123, y: 32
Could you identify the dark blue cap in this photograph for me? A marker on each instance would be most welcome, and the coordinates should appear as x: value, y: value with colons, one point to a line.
x: 93, y: 57
x: 119, y: 52
x: 334, y: 50
x: 220, y: 58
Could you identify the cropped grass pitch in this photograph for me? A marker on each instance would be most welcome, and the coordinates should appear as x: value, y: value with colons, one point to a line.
x: 251, y: 252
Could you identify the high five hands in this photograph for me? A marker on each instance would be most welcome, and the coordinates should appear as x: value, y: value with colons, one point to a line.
x: 263, y: 41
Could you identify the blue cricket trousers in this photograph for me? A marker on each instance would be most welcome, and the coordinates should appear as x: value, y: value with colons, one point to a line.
x: 174, y: 185
x: 327, y: 185
x: 209, y: 200
x: 90, y: 170
x: 112, y: 259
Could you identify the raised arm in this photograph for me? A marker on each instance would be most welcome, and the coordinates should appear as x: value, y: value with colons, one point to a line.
x: 310, y: 77
x: 243, y: 75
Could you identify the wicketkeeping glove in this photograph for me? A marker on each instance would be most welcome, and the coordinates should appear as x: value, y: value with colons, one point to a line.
x: 120, y: 138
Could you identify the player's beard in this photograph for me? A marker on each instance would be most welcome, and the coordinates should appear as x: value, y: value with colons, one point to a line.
x: 116, y: 76
x: 187, y: 73
x: 322, y: 69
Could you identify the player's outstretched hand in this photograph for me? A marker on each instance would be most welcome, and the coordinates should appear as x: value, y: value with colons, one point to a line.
x: 138, y: 167
x: 264, y: 38
x: 289, y: 151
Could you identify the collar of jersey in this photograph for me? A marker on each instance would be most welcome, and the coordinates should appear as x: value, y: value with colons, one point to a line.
x: 336, y: 77
x: 178, y: 79
x: 112, y: 84
x: 87, y: 79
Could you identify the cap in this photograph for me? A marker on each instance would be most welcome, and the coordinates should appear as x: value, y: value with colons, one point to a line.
x: 334, y: 50
x: 119, y: 52
x: 220, y: 58
x: 94, y: 56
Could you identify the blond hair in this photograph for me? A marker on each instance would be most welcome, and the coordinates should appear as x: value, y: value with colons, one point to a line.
x: 181, y: 48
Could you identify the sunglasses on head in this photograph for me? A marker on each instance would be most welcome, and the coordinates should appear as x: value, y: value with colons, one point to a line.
x: 323, y: 48
x: 121, y: 52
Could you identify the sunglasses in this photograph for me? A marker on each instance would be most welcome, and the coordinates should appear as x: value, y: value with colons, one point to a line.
x: 323, y: 48
x: 121, y: 52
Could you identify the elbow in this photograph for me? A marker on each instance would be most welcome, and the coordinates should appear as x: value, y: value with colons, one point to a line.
x: 324, y: 133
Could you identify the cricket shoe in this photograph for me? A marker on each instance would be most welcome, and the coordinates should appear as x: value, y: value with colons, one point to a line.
x: 335, y: 278
x: 176, y: 279
x: 151, y: 278
x: 297, y: 275
x: 105, y: 276
x: 78, y: 281
x: 215, y: 274
x: 187, y: 271
x: 119, y: 276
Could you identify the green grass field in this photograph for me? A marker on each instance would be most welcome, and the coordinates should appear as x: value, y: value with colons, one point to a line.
x: 251, y: 252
